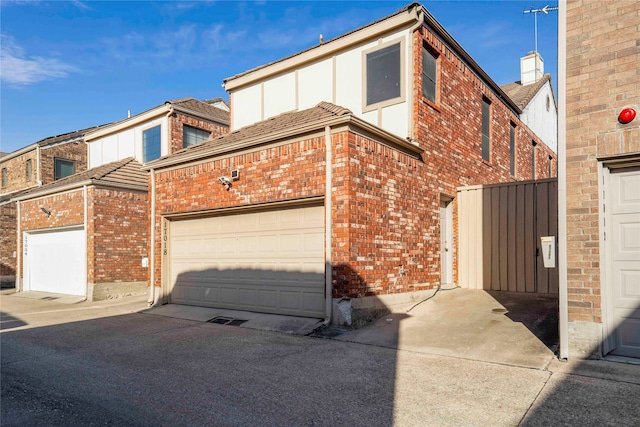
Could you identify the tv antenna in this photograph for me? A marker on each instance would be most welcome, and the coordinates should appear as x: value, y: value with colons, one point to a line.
x: 535, y: 12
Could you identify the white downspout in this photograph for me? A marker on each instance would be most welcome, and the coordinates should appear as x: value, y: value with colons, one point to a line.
x: 328, y: 225
x: 152, y: 239
x: 19, y: 285
x: 38, y: 166
x: 411, y: 79
x: 168, y: 123
x: 563, y: 297
x: 86, y: 246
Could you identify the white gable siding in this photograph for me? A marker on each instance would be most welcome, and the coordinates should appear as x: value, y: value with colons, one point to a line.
x: 279, y: 95
x: 246, y: 105
x: 315, y: 82
x: 126, y: 143
x: 542, y: 122
x: 338, y: 79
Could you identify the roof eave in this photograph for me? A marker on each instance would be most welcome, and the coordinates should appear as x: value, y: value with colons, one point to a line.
x: 79, y: 185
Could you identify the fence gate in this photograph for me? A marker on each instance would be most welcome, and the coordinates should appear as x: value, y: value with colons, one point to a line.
x: 499, y: 230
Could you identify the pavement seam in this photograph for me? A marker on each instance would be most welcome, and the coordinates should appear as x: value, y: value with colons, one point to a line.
x: 535, y: 399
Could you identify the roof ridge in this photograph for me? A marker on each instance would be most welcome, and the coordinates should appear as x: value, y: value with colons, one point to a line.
x: 333, y: 108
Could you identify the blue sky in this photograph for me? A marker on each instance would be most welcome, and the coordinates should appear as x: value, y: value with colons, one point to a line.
x: 69, y: 65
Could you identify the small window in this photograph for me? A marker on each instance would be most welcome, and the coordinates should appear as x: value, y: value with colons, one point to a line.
x: 550, y: 167
x: 533, y: 160
x: 429, y: 75
x: 63, y: 168
x: 384, y: 74
x: 512, y: 150
x: 4, y: 177
x: 486, y: 130
x: 151, y: 144
x: 192, y: 136
x: 29, y: 168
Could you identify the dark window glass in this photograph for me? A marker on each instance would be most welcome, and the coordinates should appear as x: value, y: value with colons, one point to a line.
x: 192, y: 136
x: 4, y: 177
x: 151, y: 144
x: 63, y: 168
x: 429, y: 74
x: 512, y: 149
x: 486, y: 129
x: 383, y: 74
x: 29, y: 170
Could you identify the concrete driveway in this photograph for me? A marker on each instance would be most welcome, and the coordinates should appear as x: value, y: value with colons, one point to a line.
x: 114, y: 363
x: 498, y: 327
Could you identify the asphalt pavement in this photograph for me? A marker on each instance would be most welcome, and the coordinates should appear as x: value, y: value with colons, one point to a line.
x: 117, y: 363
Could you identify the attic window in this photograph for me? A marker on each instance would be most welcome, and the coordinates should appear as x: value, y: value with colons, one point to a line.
x: 63, y: 168
x: 429, y: 74
x: 151, y: 140
x: 548, y: 102
x: 193, y: 136
x: 29, y: 170
x: 384, y: 77
x: 4, y: 177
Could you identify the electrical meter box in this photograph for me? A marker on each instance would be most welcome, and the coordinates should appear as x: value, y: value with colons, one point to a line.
x: 548, y: 244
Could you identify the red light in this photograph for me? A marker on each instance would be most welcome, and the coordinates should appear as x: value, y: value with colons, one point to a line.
x: 627, y: 115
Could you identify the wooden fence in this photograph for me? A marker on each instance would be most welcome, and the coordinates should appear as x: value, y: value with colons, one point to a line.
x: 499, y: 230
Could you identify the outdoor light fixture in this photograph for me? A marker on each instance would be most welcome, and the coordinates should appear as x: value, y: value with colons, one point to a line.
x: 627, y: 115
x: 46, y: 211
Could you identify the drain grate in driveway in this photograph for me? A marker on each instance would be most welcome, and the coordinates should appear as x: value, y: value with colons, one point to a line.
x: 220, y: 320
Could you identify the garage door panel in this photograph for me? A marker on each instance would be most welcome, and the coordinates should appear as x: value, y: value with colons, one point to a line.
x: 269, y: 261
x: 623, y: 252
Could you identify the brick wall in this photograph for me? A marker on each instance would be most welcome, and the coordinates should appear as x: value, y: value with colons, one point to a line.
x: 177, y: 121
x: 17, y: 172
x: 7, y: 239
x: 450, y: 132
x: 75, y: 151
x: 603, y: 53
x: 266, y: 175
x: 118, y: 235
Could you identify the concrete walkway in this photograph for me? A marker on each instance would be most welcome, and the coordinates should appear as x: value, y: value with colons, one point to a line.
x: 116, y: 363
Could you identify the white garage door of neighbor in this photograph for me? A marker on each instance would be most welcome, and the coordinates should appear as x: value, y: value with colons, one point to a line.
x: 624, y: 255
x: 55, y: 261
x: 268, y: 261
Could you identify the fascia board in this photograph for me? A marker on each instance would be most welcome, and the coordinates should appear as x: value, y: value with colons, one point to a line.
x: 77, y: 186
x: 323, y: 50
x: 128, y: 123
x: 20, y: 152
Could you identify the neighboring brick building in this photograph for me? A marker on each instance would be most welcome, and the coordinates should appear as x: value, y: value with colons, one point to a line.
x: 332, y: 209
x: 159, y: 131
x: 602, y: 177
x: 104, y: 234
x: 86, y: 234
x: 33, y: 166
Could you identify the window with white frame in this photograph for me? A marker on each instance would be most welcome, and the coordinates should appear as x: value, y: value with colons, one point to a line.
x: 63, y: 168
x: 192, y: 135
x: 384, y: 74
x: 151, y: 139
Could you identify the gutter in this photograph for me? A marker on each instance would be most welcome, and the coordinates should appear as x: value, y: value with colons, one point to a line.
x: 412, y: 30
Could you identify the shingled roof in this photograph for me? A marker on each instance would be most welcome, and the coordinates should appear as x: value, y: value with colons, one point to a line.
x: 266, y: 129
x: 201, y: 107
x: 522, y: 95
x: 126, y: 172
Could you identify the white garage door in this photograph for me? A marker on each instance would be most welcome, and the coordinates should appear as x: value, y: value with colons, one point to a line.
x: 269, y: 261
x: 55, y: 261
x: 624, y: 264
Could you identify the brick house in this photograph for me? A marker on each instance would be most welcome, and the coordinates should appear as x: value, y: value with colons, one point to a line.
x: 33, y: 166
x: 600, y: 207
x: 101, y: 217
x: 334, y: 194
